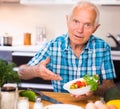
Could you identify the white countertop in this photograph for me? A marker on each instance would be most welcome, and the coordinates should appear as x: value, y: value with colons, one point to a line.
x: 30, y: 50
x: 26, y: 48
x: 115, y: 55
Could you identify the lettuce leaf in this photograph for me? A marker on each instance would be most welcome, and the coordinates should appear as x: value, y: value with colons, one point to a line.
x: 92, y: 81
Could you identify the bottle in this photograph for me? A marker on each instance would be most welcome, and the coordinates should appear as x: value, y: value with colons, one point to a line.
x: 38, y: 104
x: 27, y: 38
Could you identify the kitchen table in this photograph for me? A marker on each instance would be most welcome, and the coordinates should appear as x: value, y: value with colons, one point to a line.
x: 66, y: 99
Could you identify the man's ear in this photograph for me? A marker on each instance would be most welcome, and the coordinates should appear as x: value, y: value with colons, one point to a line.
x: 96, y: 28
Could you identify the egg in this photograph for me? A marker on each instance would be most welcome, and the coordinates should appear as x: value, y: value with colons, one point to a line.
x: 100, y: 105
x: 97, y: 103
x: 90, y: 105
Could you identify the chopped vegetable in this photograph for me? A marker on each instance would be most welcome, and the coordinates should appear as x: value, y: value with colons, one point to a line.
x: 87, y: 80
x: 92, y: 81
x: 28, y: 93
x: 78, y: 84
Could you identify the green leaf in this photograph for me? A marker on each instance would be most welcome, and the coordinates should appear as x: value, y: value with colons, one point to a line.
x: 92, y: 81
x: 7, y: 74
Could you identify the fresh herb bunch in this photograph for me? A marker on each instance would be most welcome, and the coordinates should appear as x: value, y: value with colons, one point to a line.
x: 7, y: 74
x: 92, y: 81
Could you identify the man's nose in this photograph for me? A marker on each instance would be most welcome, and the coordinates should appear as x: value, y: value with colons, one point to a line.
x: 80, y: 28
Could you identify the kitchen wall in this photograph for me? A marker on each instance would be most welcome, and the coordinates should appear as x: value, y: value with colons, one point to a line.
x: 16, y: 19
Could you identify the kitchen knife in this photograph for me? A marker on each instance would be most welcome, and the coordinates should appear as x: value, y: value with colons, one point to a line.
x: 45, y: 97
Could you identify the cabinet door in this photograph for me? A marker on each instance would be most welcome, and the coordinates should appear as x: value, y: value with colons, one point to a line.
x: 19, y: 60
x: 117, y: 69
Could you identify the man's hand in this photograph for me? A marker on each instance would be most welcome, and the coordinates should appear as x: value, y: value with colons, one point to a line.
x: 28, y: 72
x: 84, y: 96
x: 45, y: 73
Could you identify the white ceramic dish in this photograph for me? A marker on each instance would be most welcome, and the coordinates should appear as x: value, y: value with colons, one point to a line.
x: 79, y: 91
x: 62, y: 106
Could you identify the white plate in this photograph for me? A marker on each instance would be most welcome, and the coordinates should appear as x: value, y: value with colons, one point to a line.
x: 62, y: 106
x: 78, y: 91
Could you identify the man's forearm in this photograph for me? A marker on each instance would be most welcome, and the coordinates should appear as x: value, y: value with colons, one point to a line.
x: 27, y: 72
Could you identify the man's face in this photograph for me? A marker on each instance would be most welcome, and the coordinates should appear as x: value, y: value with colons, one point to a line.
x: 81, y: 25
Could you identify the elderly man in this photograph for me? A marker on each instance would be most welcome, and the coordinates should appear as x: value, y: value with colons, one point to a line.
x: 74, y: 54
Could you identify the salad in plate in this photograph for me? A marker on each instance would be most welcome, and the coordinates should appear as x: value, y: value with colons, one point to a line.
x: 82, y: 85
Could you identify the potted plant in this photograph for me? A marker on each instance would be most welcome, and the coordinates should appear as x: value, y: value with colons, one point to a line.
x: 7, y: 74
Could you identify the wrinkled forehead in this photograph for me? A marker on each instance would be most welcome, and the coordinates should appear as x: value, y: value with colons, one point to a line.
x: 86, y: 6
x: 84, y: 15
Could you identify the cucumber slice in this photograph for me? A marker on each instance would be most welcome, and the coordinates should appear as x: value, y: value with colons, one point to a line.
x: 28, y: 93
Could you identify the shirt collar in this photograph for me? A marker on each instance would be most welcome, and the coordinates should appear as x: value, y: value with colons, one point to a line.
x: 89, y: 43
x: 67, y: 43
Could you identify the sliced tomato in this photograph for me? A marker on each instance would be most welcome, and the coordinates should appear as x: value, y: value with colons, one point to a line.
x: 78, y: 84
x: 83, y: 84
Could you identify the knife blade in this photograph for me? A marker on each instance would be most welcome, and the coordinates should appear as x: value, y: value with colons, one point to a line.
x: 45, y: 97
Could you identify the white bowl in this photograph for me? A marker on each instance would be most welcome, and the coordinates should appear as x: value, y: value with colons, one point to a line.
x: 62, y: 106
x: 79, y: 91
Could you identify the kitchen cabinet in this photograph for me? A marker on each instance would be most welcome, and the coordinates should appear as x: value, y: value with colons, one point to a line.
x: 117, y: 70
x: 116, y: 62
x: 38, y: 2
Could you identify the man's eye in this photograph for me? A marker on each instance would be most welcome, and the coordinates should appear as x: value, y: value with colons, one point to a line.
x: 75, y: 21
x: 87, y: 25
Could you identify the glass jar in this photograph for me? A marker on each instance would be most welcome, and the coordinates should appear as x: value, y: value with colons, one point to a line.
x: 27, y: 38
x: 40, y: 35
x: 23, y: 103
x: 8, y: 98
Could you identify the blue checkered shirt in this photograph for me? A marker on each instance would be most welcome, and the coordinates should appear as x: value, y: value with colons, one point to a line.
x: 94, y: 59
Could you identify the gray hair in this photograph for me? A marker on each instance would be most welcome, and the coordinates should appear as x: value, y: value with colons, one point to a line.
x: 90, y: 6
